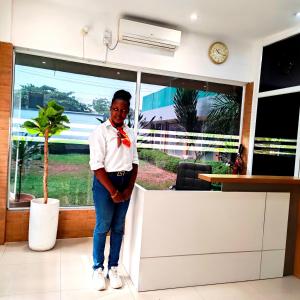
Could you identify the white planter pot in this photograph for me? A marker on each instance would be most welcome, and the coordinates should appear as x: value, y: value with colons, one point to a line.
x: 43, y: 222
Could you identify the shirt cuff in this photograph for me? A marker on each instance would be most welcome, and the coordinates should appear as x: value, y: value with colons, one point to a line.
x: 135, y: 162
x: 96, y: 166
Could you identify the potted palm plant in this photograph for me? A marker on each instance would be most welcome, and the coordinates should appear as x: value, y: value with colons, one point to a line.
x: 43, y: 220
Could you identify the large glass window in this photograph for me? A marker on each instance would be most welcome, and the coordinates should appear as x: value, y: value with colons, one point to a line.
x: 85, y: 91
x: 185, y: 120
x: 178, y: 120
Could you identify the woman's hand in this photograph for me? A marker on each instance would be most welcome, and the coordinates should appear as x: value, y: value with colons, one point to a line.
x: 127, y: 193
x: 117, y: 197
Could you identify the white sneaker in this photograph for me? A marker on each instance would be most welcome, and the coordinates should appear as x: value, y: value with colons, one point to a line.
x: 99, y: 280
x: 115, y: 280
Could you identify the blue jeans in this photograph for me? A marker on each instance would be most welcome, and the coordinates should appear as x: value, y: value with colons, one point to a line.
x: 109, y: 216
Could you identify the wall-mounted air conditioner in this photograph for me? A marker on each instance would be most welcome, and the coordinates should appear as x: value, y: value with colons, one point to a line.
x: 148, y: 35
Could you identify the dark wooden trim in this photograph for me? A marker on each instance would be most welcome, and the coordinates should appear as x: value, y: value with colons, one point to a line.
x: 246, y: 124
x: 6, y: 75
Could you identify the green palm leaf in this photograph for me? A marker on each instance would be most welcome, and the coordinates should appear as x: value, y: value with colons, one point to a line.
x: 185, y: 107
x: 224, y: 116
x: 31, y: 127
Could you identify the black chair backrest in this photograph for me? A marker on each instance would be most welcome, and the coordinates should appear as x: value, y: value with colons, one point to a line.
x: 187, y: 177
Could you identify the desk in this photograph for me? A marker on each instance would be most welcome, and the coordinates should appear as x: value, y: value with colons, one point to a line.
x: 250, y: 179
x: 187, y: 238
x: 259, y: 183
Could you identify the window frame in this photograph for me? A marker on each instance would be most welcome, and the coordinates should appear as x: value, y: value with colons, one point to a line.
x: 139, y: 71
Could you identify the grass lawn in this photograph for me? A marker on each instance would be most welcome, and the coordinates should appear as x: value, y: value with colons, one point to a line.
x: 70, y: 178
x: 152, y: 177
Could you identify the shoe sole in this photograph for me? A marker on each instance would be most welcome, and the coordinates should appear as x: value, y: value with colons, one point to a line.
x: 119, y: 287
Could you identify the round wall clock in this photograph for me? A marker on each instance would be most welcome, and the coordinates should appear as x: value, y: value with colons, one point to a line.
x: 218, y: 52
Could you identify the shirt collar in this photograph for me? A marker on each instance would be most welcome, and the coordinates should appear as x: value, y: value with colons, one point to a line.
x: 107, y: 124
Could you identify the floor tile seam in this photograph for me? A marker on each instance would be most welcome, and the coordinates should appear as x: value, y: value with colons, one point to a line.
x: 34, y: 292
x: 2, y: 252
x: 253, y: 291
x: 32, y: 260
x: 198, y: 293
x: 26, y: 263
x: 106, y: 293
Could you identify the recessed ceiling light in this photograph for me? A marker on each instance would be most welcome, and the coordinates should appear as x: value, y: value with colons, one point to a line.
x: 118, y: 73
x: 297, y: 14
x: 43, y: 62
x: 193, y: 16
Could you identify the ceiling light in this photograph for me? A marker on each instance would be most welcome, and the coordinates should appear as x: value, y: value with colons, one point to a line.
x: 297, y: 14
x: 193, y: 17
x: 43, y: 62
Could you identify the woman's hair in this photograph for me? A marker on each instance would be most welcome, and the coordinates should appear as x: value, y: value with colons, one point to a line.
x: 121, y: 95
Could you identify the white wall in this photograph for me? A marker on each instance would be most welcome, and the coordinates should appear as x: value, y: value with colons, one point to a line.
x: 5, y: 20
x: 51, y: 27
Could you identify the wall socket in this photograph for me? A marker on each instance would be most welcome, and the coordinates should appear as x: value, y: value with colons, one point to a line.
x: 107, y: 38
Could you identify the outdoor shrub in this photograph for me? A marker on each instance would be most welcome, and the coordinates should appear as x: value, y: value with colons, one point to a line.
x: 170, y: 163
x: 160, y: 159
x: 218, y: 167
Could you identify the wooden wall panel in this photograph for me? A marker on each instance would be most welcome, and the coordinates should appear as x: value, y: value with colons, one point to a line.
x: 6, y: 73
x: 297, y: 248
x: 72, y: 224
x: 17, y: 225
x: 76, y: 223
x: 246, y: 123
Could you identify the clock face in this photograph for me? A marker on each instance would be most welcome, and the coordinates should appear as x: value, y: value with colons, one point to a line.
x: 218, y: 52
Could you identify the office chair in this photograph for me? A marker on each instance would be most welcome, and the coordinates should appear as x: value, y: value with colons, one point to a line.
x: 187, y: 177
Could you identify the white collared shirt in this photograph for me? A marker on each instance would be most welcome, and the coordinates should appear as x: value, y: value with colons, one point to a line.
x: 104, y: 150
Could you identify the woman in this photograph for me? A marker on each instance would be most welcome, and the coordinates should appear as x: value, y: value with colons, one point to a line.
x: 114, y: 160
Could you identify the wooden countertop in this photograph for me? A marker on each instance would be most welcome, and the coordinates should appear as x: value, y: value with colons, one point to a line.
x: 224, y: 178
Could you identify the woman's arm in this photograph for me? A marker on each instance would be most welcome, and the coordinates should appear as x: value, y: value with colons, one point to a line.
x: 102, y: 176
x: 128, y: 191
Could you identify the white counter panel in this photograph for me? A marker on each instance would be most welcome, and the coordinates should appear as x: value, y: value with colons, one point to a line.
x: 180, y: 271
x: 187, y: 222
x: 186, y: 238
x: 272, y: 263
x: 276, y: 219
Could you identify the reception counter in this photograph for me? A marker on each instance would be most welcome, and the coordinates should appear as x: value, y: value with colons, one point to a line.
x: 186, y: 238
x: 258, y: 183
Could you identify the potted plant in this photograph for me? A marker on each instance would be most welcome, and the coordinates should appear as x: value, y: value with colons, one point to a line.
x: 43, y: 220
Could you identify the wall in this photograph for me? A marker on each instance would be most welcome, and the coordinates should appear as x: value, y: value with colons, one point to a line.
x: 5, y: 20
x: 50, y: 26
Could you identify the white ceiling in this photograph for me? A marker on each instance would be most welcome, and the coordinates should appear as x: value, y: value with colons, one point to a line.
x: 240, y: 19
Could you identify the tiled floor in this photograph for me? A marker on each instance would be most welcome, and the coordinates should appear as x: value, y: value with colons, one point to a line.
x: 65, y: 273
